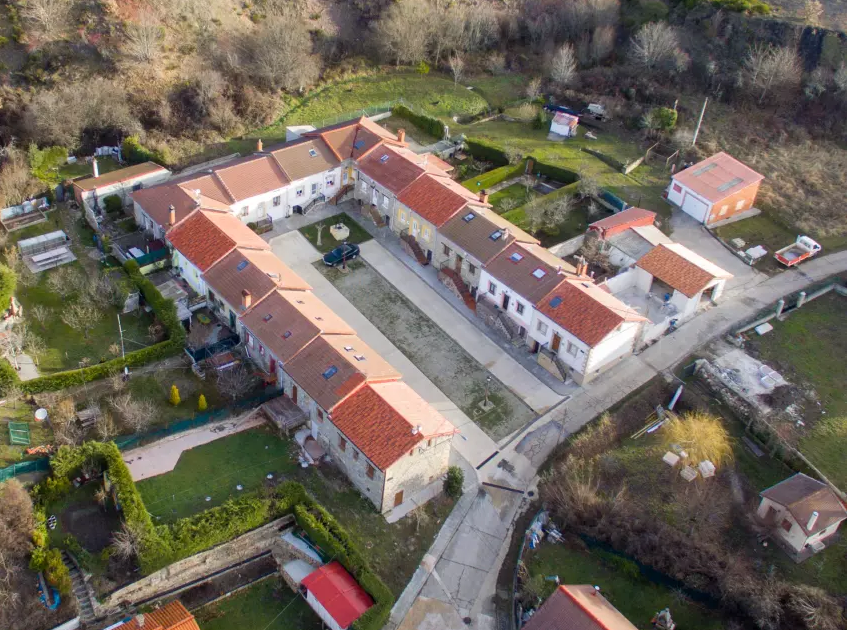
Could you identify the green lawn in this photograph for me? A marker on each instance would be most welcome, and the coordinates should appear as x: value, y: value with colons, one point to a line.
x: 245, y: 458
x: 328, y: 243
x: 499, y: 90
x: 515, y: 194
x: 635, y: 596
x: 83, y: 169
x: 65, y: 347
x: 810, y: 348
x: 484, y: 181
x: 266, y: 605
x: 39, y: 433
x: 760, y: 230
x: 157, y: 391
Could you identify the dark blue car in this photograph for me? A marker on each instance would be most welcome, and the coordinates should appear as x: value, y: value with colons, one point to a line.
x: 346, y: 252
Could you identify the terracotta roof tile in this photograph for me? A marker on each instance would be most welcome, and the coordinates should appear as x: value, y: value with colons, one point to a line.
x: 280, y: 327
x: 209, y: 186
x: 471, y: 231
x: 172, y: 616
x: 205, y: 237
x: 304, y: 158
x: 121, y: 175
x: 157, y: 200
x: 585, y: 310
x: 622, y: 221
x: 718, y: 177
x: 522, y: 271
x: 680, y: 268
x: 390, y: 169
x: 252, y: 176
x: 577, y: 607
x: 311, y: 307
x: 801, y: 495
x: 237, y: 230
x: 431, y: 200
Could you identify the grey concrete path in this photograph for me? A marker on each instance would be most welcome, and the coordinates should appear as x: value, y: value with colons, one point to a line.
x: 28, y: 369
x: 296, y: 221
x: 527, y: 387
x: 293, y: 249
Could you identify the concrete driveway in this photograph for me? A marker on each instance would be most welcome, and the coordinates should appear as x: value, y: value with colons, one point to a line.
x: 694, y: 236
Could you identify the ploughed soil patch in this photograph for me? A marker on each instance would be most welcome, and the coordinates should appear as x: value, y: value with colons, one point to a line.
x: 220, y: 585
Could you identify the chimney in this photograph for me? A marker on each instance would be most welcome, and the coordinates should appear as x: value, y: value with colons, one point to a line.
x: 246, y: 299
x: 559, y: 270
x: 505, y: 233
x: 259, y: 145
x: 197, y: 196
x: 812, y: 520
x: 401, y: 135
x: 95, y: 168
x: 139, y: 620
x: 596, y: 591
x: 483, y: 196
x: 416, y: 430
x: 171, y: 215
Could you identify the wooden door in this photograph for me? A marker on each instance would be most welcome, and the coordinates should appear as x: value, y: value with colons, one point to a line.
x: 505, y: 302
x: 272, y: 366
x: 557, y: 340
x: 294, y: 393
x: 458, y: 263
x: 398, y: 498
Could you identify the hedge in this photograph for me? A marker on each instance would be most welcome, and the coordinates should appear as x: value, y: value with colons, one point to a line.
x: 483, y: 150
x: 556, y: 173
x: 166, y: 312
x: 518, y: 215
x: 493, y: 177
x: 429, y: 124
x: 133, y: 151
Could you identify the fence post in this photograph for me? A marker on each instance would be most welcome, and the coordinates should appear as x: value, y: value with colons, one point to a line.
x: 780, y: 304
x: 801, y: 299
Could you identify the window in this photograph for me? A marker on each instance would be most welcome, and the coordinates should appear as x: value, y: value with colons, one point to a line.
x: 277, y: 200
x: 363, y: 185
x: 786, y: 525
x: 314, y: 189
x: 245, y: 210
x: 370, y: 472
x: 261, y: 350
x: 385, y: 201
x: 313, y: 153
x: 496, y: 235
x: 299, y: 192
x: 492, y: 288
x: 539, y: 273
x: 572, y: 349
x: 471, y: 269
x: 739, y: 205
x: 330, y: 181
x: 555, y: 302
x: 330, y: 372
x: 384, y: 159
x: 359, y: 357
x: 402, y: 216
x: 320, y: 415
x: 542, y: 328
x: 519, y: 307
x: 446, y: 250
x: 250, y: 340
x: 242, y: 265
x: 268, y: 317
x: 724, y: 208
x: 426, y: 233
x: 677, y: 188
x: 342, y: 443
x: 468, y: 217
x: 355, y: 456
x: 516, y: 257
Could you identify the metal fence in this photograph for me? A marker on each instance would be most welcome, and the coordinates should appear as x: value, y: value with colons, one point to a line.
x: 618, y: 204
x: 222, y: 345
x: 126, y: 442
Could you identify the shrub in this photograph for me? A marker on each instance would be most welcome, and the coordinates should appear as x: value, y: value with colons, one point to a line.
x: 540, y: 120
x: 430, y: 125
x: 8, y: 377
x: 489, y: 179
x: 454, y: 481
x: 665, y: 118
x: 423, y: 68
x: 556, y: 173
x: 133, y: 151
x: 113, y: 203
x: 174, y: 396
x: 8, y: 284
x: 484, y: 150
x: 201, y: 403
x: 49, y: 561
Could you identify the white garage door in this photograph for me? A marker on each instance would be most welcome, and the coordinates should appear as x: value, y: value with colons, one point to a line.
x: 696, y: 208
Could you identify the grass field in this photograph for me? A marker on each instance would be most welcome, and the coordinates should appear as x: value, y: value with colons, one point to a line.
x: 213, y: 470
x: 810, y: 349
x: 499, y: 90
x: 39, y: 433
x: 515, y: 194
x: 84, y: 169
x: 619, y: 581
x: 760, y: 230
x: 328, y: 242
x: 157, y: 388
x: 266, y: 605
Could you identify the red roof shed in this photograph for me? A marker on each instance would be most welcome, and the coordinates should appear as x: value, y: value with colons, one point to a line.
x: 338, y: 594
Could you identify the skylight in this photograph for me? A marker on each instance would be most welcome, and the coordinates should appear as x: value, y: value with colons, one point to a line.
x: 300, y: 302
x: 242, y: 265
x: 286, y: 334
x: 384, y: 158
x: 313, y: 153
x: 556, y: 301
x: 348, y: 348
x: 733, y: 182
x: 516, y: 257
x: 704, y: 169
x: 539, y: 273
x: 496, y: 235
x: 359, y: 357
x: 267, y: 317
x: 330, y: 372
x: 358, y: 144
x: 468, y: 217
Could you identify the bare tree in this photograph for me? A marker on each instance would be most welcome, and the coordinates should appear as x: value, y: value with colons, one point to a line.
x: 235, y: 382
x: 482, y: 29
x: 40, y: 313
x: 16, y: 525
x: 563, y: 66
x: 136, y: 414
x: 107, y: 429
x: 126, y: 543
x: 34, y: 345
x: 402, y: 32
x: 771, y: 67
x: 81, y: 317
x: 840, y: 80
x: 588, y: 186
x: 47, y: 16
x: 457, y: 67
x: 13, y: 392
x: 602, y: 43
x: 813, y: 12
x: 545, y: 214
x: 280, y: 54
x: 495, y: 63
x: 446, y: 30
x: 144, y: 37
x: 16, y: 180
x: 656, y: 47
x: 533, y: 89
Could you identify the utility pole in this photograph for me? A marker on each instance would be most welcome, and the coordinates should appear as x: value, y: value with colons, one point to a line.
x: 699, y: 122
x: 121, y: 331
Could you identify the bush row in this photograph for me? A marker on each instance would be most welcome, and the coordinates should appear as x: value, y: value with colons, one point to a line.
x: 556, y: 173
x: 483, y: 150
x: 518, y: 215
x: 493, y: 177
x: 133, y: 151
x: 429, y: 124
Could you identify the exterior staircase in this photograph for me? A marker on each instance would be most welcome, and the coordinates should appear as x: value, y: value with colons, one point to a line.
x: 341, y: 194
x: 453, y: 281
x: 496, y: 318
x: 410, y: 245
x: 83, y: 594
x: 376, y: 217
x: 563, y: 369
x: 313, y: 203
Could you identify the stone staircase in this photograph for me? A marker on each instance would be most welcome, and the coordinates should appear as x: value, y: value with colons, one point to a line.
x: 453, y: 281
x: 309, y: 206
x: 339, y: 197
x: 497, y: 319
x: 83, y: 594
x: 410, y: 245
x: 563, y: 368
x: 376, y: 217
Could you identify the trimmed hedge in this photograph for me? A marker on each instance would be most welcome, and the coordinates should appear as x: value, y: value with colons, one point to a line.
x: 133, y: 151
x: 518, y: 215
x: 483, y: 150
x: 495, y: 176
x: 429, y: 124
x: 556, y: 173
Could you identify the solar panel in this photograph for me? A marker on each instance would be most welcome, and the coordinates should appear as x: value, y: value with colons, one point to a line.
x: 330, y: 372
x: 733, y: 182
x: 556, y: 301
x: 539, y: 273
x: 704, y: 169
x: 242, y: 265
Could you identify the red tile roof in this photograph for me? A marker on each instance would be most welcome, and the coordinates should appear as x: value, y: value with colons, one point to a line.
x: 718, y: 177
x: 339, y: 594
x: 530, y: 276
x: 119, y: 176
x: 622, y: 221
x: 172, y: 616
x: 386, y: 420
x: 680, y: 268
x: 585, y: 310
x: 390, y: 169
x: 255, y: 175
x: 577, y: 607
x: 205, y: 237
x: 280, y: 327
x: 433, y: 201
x: 157, y: 200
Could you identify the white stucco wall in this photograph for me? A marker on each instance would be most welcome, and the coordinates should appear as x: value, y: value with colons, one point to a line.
x: 796, y: 537
x: 617, y: 344
x: 575, y: 361
x: 678, y: 198
x: 471, y: 278
x: 322, y: 612
x: 191, y: 274
x: 123, y: 189
x: 386, y: 202
x: 521, y: 319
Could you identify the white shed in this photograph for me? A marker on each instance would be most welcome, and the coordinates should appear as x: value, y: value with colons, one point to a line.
x: 564, y: 125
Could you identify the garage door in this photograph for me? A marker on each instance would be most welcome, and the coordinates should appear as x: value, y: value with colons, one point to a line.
x: 696, y: 208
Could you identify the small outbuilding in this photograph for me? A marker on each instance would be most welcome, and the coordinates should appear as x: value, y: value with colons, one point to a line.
x: 335, y: 596
x: 564, y: 125
x: 803, y: 513
x: 578, y: 607
x: 715, y: 189
x: 121, y: 182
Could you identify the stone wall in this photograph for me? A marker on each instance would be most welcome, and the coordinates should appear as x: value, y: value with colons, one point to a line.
x: 197, y: 566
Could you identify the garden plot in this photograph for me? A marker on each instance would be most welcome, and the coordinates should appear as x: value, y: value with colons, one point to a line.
x: 456, y: 373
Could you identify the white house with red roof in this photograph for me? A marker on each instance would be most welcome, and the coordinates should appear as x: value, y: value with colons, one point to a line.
x: 564, y: 124
x: 121, y: 182
x: 578, y: 607
x: 335, y: 596
x: 627, y: 236
x: 715, y: 189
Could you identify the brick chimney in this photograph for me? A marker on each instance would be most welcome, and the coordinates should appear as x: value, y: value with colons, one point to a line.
x: 259, y: 145
x: 246, y: 299
x: 95, y: 168
x: 401, y: 135
x: 581, y: 266
x: 171, y: 215
x: 483, y: 196
x: 506, y: 233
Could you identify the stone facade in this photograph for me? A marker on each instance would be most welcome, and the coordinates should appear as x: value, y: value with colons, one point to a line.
x: 412, y: 473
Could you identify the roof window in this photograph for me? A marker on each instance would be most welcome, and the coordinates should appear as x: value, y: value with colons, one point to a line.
x: 313, y: 153
x: 359, y: 357
x: 358, y: 144
x: 556, y: 301
x: 384, y: 158
x: 330, y: 372
x: 704, y: 169
x: 468, y: 217
x: 319, y: 318
x: 267, y: 317
x: 539, y: 273
x: 300, y: 301
x: 286, y: 334
x: 516, y: 257
x: 348, y: 348
x: 733, y: 182
x: 496, y: 235
x: 242, y: 265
